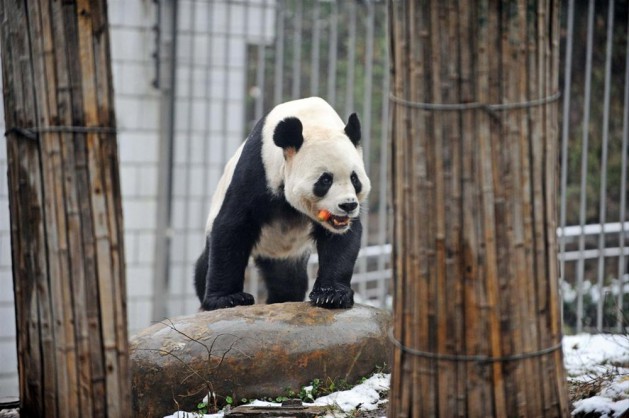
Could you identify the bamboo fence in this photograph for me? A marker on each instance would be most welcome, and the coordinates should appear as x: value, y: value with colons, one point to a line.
x: 65, y: 206
x: 474, y: 127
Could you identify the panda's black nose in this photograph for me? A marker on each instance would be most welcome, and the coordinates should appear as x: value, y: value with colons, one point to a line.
x: 348, y: 207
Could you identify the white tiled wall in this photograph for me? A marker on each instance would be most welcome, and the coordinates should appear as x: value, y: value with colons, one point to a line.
x: 137, y: 114
x: 8, y: 350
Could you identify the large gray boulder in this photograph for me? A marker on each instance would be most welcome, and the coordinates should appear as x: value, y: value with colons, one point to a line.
x: 253, y: 352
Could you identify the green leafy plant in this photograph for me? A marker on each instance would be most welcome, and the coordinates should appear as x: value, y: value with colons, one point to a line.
x: 202, y: 407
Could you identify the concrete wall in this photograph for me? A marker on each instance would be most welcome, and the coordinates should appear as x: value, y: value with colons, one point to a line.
x: 137, y: 113
x: 8, y: 354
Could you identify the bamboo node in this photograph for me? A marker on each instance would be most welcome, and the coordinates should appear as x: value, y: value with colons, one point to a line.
x: 478, y: 358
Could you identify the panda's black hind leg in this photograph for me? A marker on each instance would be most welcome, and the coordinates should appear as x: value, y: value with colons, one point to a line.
x: 200, y: 271
x: 286, y: 279
x: 201, y: 280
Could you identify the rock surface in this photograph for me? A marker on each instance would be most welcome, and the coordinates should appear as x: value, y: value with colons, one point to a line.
x: 252, y: 352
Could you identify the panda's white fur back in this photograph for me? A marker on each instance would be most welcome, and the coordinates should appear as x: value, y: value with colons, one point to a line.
x: 221, y: 189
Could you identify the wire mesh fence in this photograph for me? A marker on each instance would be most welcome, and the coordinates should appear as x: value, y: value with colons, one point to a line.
x: 235, y: 60
x: 593, y: 187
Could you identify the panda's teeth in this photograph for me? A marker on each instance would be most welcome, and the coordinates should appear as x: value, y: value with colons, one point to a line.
x: 339, y: 222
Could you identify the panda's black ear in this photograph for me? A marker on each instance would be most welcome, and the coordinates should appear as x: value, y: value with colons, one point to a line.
x: 352, y: 129
x: 288, y: 135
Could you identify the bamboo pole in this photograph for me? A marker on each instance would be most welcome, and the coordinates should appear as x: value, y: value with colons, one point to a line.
x: 474, y: 126
x: 65, y: 206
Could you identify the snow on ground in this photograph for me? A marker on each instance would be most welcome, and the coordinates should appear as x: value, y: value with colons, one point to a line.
x: 598, y: 360
x: 585, y: 353
x: 366, y: 395
x: 587, y: 358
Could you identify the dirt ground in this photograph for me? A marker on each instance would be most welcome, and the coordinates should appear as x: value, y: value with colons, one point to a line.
x: 377, y: 413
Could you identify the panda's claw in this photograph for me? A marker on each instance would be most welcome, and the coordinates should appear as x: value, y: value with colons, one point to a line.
x: 337, y: 296
x: 213, y: 302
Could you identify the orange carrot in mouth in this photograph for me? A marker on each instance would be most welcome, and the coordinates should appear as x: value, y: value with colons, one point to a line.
x: 323, y: 215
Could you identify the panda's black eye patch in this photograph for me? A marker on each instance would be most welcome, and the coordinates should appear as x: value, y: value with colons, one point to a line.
x: 323, y: 184
x: 358, y: 186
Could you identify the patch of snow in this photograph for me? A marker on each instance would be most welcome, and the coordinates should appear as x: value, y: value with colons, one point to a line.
x: 602, y: 406
x: 585, y: 354
x: 365, y: 396
x: 619, y: 388
x: 567, y: 292
x: 263, y: 403
x: 308, y: 392
x: 587, y: 358
x: 181, y: 414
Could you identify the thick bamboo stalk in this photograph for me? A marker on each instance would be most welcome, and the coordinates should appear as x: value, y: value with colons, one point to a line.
x: 66, y: 212
x: 476, y: 307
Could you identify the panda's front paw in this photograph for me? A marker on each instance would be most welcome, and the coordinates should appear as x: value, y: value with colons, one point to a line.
x: 337, y: 296
x: 212, y: 302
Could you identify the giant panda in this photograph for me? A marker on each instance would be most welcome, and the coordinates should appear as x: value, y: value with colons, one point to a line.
x: 299, y: 160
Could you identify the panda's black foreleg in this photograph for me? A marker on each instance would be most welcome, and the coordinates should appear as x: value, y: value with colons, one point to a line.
x: 286, y: 279
x: 229, y: 249
x: 337, y: 257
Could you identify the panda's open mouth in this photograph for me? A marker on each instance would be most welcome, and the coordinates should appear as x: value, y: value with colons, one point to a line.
x: 336, y: 222
x: 339, y: 222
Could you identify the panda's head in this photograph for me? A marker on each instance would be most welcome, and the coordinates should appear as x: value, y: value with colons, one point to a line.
x: 323, y: 171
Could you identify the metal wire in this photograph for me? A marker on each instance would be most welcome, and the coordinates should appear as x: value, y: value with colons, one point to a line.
x: 297, y: 33
x: 383, y: 169
x: 33, y: 133
x: 332, y: 52
x: 584, y: 163
x: 564, y: 145
x: 475, y: 105
x: 623, y: 196
x: 479, y: 358
x: 278, y: 82
x: 604, y: 149
x: 366, y: 125
x: 316, y: 46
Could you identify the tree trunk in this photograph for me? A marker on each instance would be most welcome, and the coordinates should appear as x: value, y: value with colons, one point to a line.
x: 65, y: 205
x: 474, y: 183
